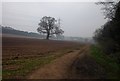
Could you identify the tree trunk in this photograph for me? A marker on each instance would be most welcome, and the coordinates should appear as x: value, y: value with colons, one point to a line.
x: 48, y: 35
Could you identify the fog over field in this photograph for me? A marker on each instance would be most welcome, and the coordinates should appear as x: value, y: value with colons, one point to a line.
x: 79, y: 19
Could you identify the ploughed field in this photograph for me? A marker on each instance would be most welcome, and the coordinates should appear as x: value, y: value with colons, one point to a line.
x: 21, y: 56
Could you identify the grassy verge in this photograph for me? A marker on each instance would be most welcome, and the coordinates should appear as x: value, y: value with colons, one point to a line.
x: 109, y: 64
x: 25, y: 66
x: 19, y: 68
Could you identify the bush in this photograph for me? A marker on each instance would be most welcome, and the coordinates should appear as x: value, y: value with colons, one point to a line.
x: 110, y: 64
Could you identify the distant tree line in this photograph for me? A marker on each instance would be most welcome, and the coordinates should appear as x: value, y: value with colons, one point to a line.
x: 10, y: 30
x: 108, y: 36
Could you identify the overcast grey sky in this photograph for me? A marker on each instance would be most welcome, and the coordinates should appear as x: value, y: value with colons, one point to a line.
x: 79, y: 19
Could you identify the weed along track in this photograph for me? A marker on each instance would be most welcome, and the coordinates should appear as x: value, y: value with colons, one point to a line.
x: 59, y: 68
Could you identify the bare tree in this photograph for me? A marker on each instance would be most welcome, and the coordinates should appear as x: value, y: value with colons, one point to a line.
x: 48, y: 25
x: 109, y: 8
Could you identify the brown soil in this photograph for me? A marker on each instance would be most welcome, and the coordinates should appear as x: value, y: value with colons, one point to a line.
x: 16, y: 47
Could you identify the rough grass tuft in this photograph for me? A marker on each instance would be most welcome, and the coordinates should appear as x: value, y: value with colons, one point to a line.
x: 109, y: 64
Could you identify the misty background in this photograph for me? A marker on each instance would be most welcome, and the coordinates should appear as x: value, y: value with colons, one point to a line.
x: 78, y: 19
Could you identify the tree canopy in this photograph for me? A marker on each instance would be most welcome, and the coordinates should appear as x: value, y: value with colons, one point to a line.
x: 49, y: 26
